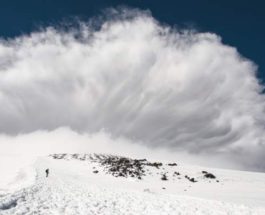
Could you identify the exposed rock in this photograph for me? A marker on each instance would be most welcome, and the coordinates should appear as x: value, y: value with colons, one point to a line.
x: 155, y: 164
x: 208, y: 175
x: 190, y: 179
x: 164, y: 177
x: 126, y: 167
x: 172, y: 164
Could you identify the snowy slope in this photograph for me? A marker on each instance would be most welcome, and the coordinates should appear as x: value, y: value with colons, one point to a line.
x: 86, y: 184
x: 16, y: 172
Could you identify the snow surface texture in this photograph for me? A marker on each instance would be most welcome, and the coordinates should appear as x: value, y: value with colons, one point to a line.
x: 83, y: 184
x: 15, y: 172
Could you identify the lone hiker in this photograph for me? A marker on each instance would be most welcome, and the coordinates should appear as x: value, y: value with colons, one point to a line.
x: 47, y: 172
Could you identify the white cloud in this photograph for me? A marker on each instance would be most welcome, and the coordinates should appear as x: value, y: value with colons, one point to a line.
x: 138, y: 80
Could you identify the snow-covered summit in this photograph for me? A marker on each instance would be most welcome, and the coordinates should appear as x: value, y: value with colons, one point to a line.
x: 108, y: 184
x: 138, y: 168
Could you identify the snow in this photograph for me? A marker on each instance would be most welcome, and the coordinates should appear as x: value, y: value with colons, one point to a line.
x: 17, y: 171
x: 73, y: 188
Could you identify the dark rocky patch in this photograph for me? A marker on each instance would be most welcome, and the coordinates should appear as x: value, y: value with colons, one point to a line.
x: 123, y: 167
x: 164, y: 177
x: 208, y: 175
x: 190, y: 179
x: 172, y: 164
x: 81, y: 157
x: 155, y: 164
x: 58, y: 156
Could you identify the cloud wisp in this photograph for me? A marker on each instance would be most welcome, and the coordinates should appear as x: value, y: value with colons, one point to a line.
x: 136, y: 79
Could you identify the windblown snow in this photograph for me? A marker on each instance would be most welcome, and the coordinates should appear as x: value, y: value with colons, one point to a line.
x: 106, y: 184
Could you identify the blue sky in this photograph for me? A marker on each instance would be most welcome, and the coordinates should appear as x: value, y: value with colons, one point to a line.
x: 239, y: 23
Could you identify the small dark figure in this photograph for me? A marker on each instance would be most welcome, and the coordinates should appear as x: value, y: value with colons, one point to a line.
x: 47, y: 172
